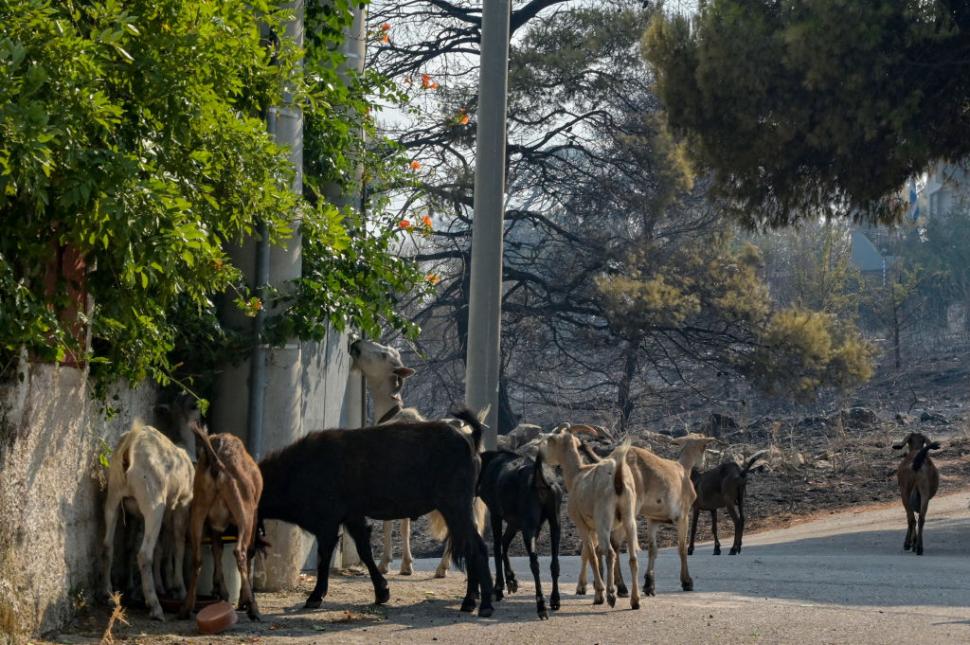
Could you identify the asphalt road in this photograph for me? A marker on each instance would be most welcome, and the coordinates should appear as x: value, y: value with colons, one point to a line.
x: 841, y: 579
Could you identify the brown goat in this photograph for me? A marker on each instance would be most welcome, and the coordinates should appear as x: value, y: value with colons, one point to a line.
x: 226, y: 491
x: 918, y: 482
x: 722, y: 487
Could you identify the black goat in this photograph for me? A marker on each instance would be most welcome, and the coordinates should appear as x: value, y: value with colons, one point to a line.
x: 515, y: 489
x: 387, y: 472
x: 722, y: 487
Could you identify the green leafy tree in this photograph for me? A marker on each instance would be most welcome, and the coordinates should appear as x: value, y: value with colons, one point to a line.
x: 804, y: 108
x: 132, y: 134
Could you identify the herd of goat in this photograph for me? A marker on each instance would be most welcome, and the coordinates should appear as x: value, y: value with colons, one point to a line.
x: 325, y: 480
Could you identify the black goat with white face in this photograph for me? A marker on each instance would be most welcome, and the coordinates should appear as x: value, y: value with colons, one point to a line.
x: 518, y: 491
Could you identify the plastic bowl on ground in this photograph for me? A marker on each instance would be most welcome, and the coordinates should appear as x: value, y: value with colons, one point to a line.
x: 216, y: 618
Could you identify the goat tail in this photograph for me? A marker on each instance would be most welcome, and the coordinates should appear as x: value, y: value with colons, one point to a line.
x: 121, y: 452
x: 215, y: 464
x: 751, y: 462
x: 469, y: 418
x: 619, y: 458
x: 437, y: 526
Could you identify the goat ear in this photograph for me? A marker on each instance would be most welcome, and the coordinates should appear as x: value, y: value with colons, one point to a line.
x: 934, y: 446
x: 483, y: 413
x: 902, y: 444
x: 404, y: 372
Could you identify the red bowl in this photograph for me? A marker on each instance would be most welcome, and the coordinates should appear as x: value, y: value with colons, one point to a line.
x: 216, y: 618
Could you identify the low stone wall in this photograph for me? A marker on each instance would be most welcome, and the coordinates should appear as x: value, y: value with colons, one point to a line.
x: 51, y: 434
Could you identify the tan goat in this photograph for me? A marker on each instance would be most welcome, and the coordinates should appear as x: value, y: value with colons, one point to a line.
x: 918, y: 482
x: 385, y: 373
x: 152, y: 477
x: 665, y: 495
x: 227, y: 487
x: 602, y: 497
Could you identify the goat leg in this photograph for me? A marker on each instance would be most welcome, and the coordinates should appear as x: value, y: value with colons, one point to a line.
x: 511, y: 584
x: 407, y: 561
x: 649, y: 583
x: 528, y: 537
x: 621, y: 590
x: 388, y: 553
x: 153, y: 526
x: 584, y: 563
x: 717, y: 543
x: 326, y: 541
x: 910, y: 523
x: 693, y: 528
x: 554, y: 532
x: 196, y: 526
x: 497, y: 554
x: 686, y: 582
x: 360, y: 533
x: 110, y: 522
x: 924, y: 506
x: 738, y: 530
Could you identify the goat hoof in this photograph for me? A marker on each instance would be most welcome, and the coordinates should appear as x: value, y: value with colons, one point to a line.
x: 313, y: 604
x: 687, y: 585
x: 634, y: 603
x: 254, y: 615
x: 381, y: 596
x: 622, y: 592
x: 543, y: 614
x: 598, y: 598
x: 468, y: 605
x: 717, y: 551
x: 611, y: 599
x: 485, y: 612
x: 580, y: 590
x: 157, y: 614
x: 441, y: 573
x: 919, y: 550
x: 734, y: 551
x: 906, y: 546
x: 406, y: 570
x: 382, y: 567
x: 554, y: 603
x: 690, y: 550
x: 648, y: 585
x: 498, y: 594
x: 512, y: 586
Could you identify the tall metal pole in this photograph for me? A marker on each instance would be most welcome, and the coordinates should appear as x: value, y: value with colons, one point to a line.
x: 485, y: 301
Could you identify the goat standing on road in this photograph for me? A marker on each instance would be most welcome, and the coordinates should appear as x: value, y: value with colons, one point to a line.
x: 918, y: 482
x: 722, y: 487
x: 226, y: 491
x: 602, y: 496
x: 516, y: 489
x: 386, y: 472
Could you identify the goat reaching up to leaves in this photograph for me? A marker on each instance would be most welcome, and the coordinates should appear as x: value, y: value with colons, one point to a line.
x: 385, y: 373
x: 918, y: 482
x: 722, y: 487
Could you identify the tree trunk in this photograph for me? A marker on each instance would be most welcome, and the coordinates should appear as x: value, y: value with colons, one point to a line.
x: 623, y: 400
x: 507, y: 419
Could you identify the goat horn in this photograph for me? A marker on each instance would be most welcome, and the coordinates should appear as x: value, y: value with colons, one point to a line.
x: 582, y: 428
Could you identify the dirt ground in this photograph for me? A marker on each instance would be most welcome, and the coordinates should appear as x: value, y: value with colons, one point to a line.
x: 418, y: 599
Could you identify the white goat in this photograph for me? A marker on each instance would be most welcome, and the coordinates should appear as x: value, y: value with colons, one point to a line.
x: 385, y: 373
x: 153, y: 478
x: 602, y: 497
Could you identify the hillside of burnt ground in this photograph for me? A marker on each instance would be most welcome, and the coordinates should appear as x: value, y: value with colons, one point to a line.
x: 819, y: 460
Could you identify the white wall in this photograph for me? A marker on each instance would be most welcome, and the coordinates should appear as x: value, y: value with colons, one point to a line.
x: 51, y: 525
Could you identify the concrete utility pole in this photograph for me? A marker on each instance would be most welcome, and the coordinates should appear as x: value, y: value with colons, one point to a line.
x: 485, y: 301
